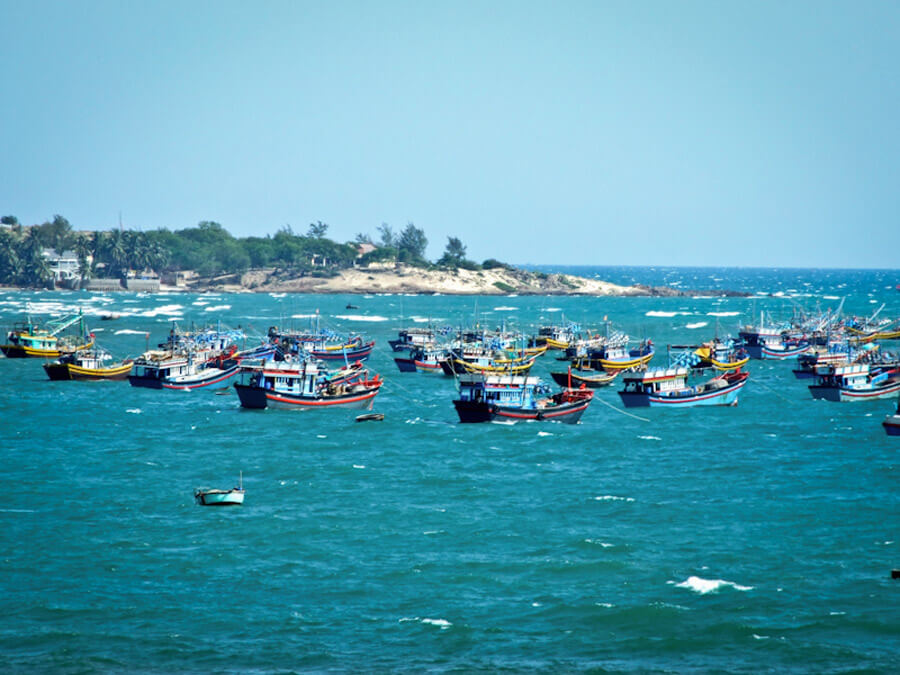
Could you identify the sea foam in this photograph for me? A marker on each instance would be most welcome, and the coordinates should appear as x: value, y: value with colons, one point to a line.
x: 704, y: 586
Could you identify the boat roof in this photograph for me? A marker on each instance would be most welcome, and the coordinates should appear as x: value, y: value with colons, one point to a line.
x: 498, y: 380
x: 658, y: 374
x: 855, y: 369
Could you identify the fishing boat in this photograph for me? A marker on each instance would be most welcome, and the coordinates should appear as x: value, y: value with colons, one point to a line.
x: 617, y: 356
x: 668, y: 387
x: 514, y: 398
x: 212, y: 497
x: 28, y: 339
x: 305, y: 385
x: 88, y: 364
x: 422, y: 360
x: 892, y: 422
x: 556, y: 336
x: 857, y: 382
x: 486, y: 361
x: 592, y: 379
x: 772, y: 342
x: 412, y: 338
x: 162, y: 369
x: 721, y: 355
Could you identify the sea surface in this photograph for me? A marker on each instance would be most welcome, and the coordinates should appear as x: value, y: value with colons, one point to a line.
x: 752, y: 539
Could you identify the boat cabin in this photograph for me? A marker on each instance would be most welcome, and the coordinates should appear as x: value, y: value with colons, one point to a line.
x: 503, y: 390
x: 658, y: 381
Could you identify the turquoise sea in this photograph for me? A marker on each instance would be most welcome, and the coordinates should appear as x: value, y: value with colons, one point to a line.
x: 751, y: 539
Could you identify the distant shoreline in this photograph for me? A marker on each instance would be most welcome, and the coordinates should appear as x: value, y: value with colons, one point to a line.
x: 401, y: 278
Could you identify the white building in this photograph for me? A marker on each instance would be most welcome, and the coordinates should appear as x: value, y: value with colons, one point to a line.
x: 63, y: 266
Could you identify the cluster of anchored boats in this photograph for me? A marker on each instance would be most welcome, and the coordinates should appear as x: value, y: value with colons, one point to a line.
x: 319, y: 368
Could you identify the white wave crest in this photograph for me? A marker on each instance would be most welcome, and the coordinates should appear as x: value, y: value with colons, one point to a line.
x: 722, y: 313
x: 442, y: 623
x: 704, y: 586
x: 659, y: 313
x: 613, y: 498
x: 129, y: 331
x: 650, y: 438
x: 217, y: 308
x: 134, y: 411
x: 360, y: 317
x: 506, y: 309
x: 699, y: 324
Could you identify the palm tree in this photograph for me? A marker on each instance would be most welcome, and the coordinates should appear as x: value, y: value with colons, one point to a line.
x: 115, y: 253
x: 83, y: 251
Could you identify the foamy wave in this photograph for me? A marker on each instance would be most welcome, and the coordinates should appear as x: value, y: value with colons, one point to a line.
x: 665, y: 315
x: 277, y: 295
x: 129, y: 331
x: 360, y: 317
x: 505, y: 309
x: 613, y: 498
x: 216, y: 308
x: 602, y: 544
x: 830, y: 297
x: 722, y: 313
x: 553, y: 309
x: 303, y: 316
x: 134, y: 411
x: 544, y: 433
x: 443, y: 624
x: 165, y: 309
x: 650, y: 438
x: 699, y: 324
x: 704, y: 586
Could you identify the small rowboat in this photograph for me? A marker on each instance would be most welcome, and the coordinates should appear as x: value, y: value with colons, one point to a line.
x: 592, y: 379
x: 213, y: 497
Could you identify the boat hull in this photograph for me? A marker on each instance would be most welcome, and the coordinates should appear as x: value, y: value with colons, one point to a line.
x: 601, y: 379
x: 838, y: 394
x: 353, y: 354
x: 479, y: 411
x: 727, y: 396
x: 764, y: 352
x: 206, y: 378
x: 892, y: 425
x: 69, y: 371
x: 254, y: 397
x: 219, y: 497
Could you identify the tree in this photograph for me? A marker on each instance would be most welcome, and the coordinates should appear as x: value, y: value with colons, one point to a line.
x: 411, y: 244
x: 454, y: 254
x: 387, y: 236
x: 9, y: 220
x: 363, y: 238
x: 56, y: 234
x: 317, y: 230
x: 83, y: 251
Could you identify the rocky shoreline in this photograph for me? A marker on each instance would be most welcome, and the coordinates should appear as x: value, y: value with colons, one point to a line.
x: 390, y: 278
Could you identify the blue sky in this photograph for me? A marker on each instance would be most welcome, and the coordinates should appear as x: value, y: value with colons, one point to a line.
x: 664, y: 133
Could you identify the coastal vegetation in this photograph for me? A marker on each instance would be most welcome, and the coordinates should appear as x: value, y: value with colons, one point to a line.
x: 209, y: 250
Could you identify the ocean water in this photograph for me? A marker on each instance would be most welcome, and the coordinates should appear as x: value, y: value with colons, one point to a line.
x: 751, y: 539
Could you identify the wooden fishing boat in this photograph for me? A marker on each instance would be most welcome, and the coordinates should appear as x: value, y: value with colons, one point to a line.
x: 892, y: 422
x: 556, y: 336
x: 511, y: 398
x: 159, y: 369
x: 592, y: 379
x: 212, y: 497
x: 30, y: 340
x: 88, y: 364
x: 857, y: 382
x: 305, y: 385
x: 669, y: 388
x: 412, y: 338
x: 721, y: 355
x: 486, y: 362
x: 619, y: 357
x: 422, y: 360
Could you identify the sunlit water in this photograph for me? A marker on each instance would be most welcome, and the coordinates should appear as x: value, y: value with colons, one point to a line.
x: 747, y: 539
